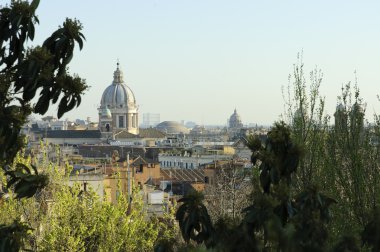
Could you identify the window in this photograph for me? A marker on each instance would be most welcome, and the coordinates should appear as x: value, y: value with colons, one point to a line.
x: 206, y: 180
x: 140, y: 168
x: 121, y: 121
x: 133, y: 117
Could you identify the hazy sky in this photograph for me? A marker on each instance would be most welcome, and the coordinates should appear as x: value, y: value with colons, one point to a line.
x: 198, y: 60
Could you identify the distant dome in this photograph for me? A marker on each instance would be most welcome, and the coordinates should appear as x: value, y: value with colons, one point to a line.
x: 357, y: 108
x: 235, y: 120
x: 118, y: 94
x: 171, y: 127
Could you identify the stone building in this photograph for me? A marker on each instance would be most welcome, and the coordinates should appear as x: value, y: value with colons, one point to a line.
x: 235, y: 121
x: 118, y: 110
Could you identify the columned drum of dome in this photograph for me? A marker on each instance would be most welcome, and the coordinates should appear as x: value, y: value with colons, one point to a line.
x: 118, y: 109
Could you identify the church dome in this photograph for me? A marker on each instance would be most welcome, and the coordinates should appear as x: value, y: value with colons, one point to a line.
x: 171, y: 127
x: 118, y: 94
x: 357, y: 108
x: 235, y: 120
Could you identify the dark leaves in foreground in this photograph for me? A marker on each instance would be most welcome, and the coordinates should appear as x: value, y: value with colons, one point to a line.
x: 347, y: 244
x: 11, y: 236
x: 194, y: 220
x: 25, y: 182
x: 279, y: 157
x: 371, y: 232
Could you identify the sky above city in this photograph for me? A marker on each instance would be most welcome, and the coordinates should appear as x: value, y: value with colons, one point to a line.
x: 198, y: 60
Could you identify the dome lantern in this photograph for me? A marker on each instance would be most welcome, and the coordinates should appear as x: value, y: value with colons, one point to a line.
x: 117, y: 76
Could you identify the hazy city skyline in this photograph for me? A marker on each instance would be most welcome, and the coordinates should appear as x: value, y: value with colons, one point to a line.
x: 199, y: 60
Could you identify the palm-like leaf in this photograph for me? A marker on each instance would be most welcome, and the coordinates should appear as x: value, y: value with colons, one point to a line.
x: 26, y: 183
x: 194, y: 220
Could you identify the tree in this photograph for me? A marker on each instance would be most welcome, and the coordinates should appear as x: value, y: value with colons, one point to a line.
x: 63, y: 218
x: 304, y: 112
x: 168, y: 238
x: 275, y: 220
x: 194, y: 220
x: 352, y: 158
x: 343, y: 158
x: 227, y: 194
x: 24, y: 74
x: 371, y: 232
x: 284, y: 221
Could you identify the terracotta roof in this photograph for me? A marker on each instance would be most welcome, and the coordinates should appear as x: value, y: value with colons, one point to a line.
x: 151, y: 133
x: 143, y: 133
x: 125, y: 135
x: 191, y: 175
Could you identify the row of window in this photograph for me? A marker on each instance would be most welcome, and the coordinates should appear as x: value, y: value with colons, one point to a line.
x: 122, y: 124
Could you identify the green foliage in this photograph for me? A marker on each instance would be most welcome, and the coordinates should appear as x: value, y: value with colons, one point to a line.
x: 279, y: 158
x: 352, y: 162
x: 13, y: 236
x: 26, y: 71
x: 24, y: 181
x: 371, y: 232
x: 347, y: 243
x: 64, y: 218
x: 168, y: 232
x: 276, y: 220
x: 343, y: 159
x: 288, y: 212
x: 23, y: 73
x: 309, y: 125
x: 285, y: 222
x: 82, y: 222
